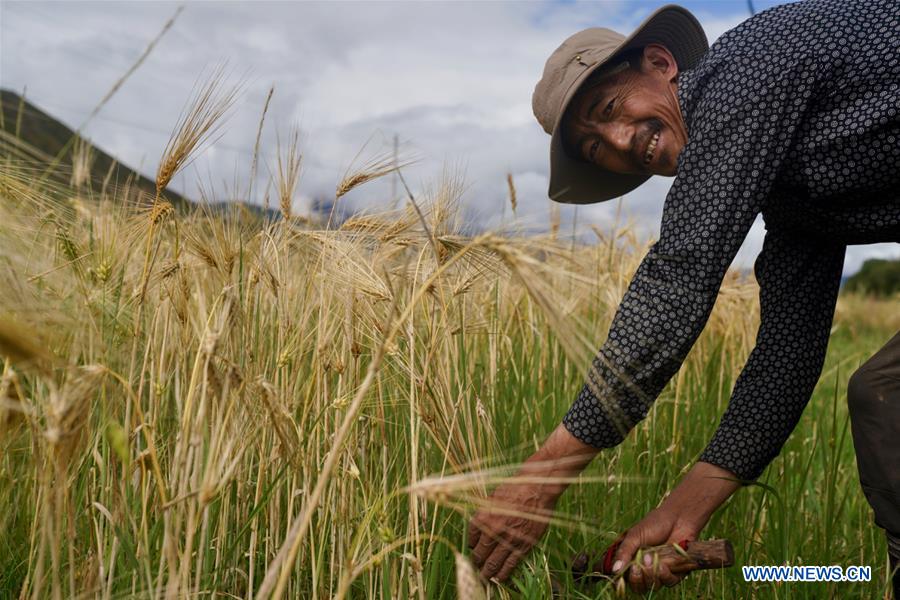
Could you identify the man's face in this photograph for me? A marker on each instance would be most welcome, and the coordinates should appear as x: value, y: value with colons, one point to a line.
x: 630, y: 122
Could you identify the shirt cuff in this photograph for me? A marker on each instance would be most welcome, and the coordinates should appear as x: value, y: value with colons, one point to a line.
x: 588, y: 421
x: 742, y: 452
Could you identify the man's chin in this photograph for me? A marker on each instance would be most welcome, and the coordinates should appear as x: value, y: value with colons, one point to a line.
x: 667, y: 172
x: 664, y: 167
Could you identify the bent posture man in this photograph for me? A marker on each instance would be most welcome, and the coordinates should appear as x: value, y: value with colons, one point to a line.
x: 793, y: 115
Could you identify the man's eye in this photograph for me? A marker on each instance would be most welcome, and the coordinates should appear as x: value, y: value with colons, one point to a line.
x: 593, y: 150
x: 608, y: 108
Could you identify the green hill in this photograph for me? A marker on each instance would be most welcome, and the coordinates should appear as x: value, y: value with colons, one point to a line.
x: 37, y: 139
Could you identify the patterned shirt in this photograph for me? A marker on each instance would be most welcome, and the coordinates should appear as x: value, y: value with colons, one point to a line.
x: 793, y: 115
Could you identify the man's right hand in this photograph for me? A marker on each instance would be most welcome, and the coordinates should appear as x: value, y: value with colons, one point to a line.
x: 518, y: 512
x: 501, y: 533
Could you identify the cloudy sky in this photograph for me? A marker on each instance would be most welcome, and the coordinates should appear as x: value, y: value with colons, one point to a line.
x: 451, y: 80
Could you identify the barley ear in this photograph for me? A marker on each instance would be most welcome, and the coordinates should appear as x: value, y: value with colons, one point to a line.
x: 377, y: 166
x: 467, y: 585
x: 289, y: 161
x: 253, y: 165
x: 195, y: 129
x: 22, y: 346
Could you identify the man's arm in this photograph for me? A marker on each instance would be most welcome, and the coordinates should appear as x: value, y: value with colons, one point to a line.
x: 799, y: 278
x: 726, y: 174
x: 798, y: 281
x: 739, y: 138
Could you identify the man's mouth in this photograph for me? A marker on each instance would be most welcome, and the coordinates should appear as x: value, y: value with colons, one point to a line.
x: 651, y: 148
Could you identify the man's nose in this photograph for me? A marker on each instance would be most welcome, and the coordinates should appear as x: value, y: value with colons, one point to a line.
x: 616, y: 135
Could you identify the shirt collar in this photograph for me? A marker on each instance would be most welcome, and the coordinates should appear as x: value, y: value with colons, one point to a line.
x: 687, y: 81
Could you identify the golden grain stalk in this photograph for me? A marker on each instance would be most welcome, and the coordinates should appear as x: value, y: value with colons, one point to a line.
x: 82, y: 162
x: 196, y: 127
x: 255, y: 162
x: 288, y: 174
x: 377, y: 166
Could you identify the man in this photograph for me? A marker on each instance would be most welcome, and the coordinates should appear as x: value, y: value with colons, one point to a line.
x: 793, y: 115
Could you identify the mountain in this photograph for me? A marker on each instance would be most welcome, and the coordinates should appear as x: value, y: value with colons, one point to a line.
x: 30, y: 134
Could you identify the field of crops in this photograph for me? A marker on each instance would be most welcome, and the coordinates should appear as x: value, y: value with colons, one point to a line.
x: 219, y: 405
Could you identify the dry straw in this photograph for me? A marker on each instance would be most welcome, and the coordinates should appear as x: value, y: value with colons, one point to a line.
x: 512, y: 191
x: 255, y: 162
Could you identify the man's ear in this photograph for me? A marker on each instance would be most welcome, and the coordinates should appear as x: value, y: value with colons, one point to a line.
x: 658, y: 60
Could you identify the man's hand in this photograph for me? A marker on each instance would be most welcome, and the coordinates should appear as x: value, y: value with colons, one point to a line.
x: 501, y: 533
x: 680, y: 517
x: 660, y: 526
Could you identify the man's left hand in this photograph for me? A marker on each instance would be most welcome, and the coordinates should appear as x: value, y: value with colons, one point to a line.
x: 660, y: 526
x: 681, y: 516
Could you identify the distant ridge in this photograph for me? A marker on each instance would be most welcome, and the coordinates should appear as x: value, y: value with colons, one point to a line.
x: 29, y: 133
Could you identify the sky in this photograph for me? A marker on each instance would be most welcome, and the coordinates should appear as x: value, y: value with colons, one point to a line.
x: 451, y: 81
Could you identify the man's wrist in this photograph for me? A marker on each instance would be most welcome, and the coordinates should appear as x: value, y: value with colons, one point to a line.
x: 703, y: 490
x: 561, y: 457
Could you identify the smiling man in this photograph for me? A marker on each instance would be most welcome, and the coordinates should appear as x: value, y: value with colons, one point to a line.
x: 792, y: 115
x: 649, y: 133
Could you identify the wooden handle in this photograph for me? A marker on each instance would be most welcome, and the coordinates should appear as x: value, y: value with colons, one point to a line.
x: 689, y: 556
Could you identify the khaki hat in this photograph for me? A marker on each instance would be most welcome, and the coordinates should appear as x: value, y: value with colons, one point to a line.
x: 580, y: 56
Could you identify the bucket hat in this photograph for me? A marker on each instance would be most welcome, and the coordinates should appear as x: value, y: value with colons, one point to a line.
x: 584, y: 54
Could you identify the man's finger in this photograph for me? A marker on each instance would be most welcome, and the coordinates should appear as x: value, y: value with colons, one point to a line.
x: 510, y: 565
x: 519, y: 537
x: 486, y: 545
x: 662, y: 575
x: 474, y: 534
x: 635, y: 579
x: 625, y: 552
x: 495, y: 561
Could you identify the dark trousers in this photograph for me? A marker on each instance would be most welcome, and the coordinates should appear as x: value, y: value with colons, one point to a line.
x: 873, y: 397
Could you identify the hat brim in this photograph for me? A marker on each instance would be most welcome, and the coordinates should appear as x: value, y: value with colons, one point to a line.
x: 577, y: 182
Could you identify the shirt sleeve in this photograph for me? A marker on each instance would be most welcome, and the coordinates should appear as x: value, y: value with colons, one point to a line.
x: 743, y: 125
x: 798, y: 280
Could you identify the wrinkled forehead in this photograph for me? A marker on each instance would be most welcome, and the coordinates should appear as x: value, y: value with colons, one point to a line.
x: 606, y: 74
x: 620, y: 80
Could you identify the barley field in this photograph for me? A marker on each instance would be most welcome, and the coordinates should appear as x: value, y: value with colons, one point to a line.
x: 215, y: 404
